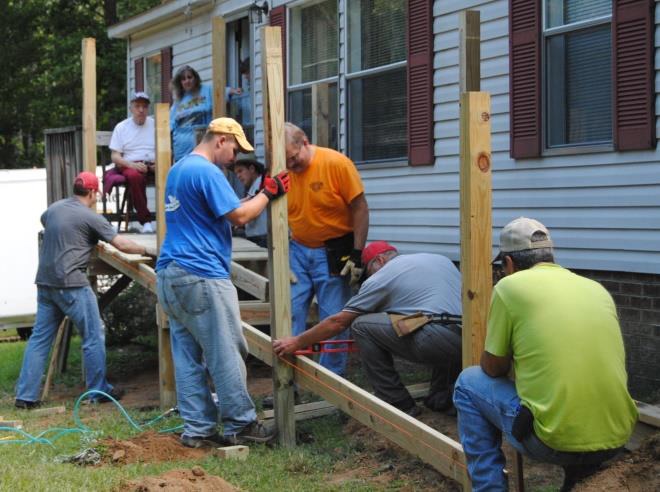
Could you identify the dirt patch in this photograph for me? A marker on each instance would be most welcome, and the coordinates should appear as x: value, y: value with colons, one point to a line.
x: 193, y: 480
x: 148, y: 447
x: 635, y: 472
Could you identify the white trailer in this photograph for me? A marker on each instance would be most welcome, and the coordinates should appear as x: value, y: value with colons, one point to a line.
x: 22, y: 201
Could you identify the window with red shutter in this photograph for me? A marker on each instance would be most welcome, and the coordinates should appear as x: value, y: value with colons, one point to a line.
x: 166, y: 74
x: 139, y: 74
x: 633, y: 66
x: 420, y: 82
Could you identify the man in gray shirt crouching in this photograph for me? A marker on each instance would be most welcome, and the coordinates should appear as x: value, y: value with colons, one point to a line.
x: 424, y: 290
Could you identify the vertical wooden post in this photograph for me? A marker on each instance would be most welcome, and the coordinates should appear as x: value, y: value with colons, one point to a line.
x: 163, y: 164
x: 218, y: 55
x: 89, y: 104
x: 476, y: 221
x: 278, y: 251
x: 469, y: 51
x: 320, y: 114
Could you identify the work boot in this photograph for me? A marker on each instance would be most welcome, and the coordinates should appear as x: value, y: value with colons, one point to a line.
x: 116, y: 393
x: 212, y: 441
x: 26, y: 405
x: 573, y: 474
x: 255, y: 432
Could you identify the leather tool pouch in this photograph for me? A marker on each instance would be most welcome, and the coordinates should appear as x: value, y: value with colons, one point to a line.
x: 523, y: 424
x: 405, y: 325
x: 336, y: 249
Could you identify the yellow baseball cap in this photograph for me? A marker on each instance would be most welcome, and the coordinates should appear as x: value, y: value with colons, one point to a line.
x: 231, y: 127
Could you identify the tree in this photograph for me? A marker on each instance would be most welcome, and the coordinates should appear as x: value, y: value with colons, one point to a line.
x: 41, y: 58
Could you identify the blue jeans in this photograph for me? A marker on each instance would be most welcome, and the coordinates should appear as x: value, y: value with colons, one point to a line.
x: 81, y: 306
x: 310, y: 266
x: 205, y: 326
x: 486, y: 409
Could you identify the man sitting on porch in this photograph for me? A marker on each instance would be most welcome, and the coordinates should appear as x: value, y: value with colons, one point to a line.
x: 413, y: 285
x: 133, y: 149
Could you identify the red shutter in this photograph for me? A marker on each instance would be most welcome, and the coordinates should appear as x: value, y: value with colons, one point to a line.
x: 633, y: 69
x: 165, y: 74
x: 419, y: 81
x: 525, y: 78
x: 139, y: 74
x: 278, y: 18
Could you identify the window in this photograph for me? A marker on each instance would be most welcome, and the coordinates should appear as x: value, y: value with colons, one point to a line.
x: 314, y: 60
x: 578, y: 72
x: 376, y: 80
x: 153, y: 79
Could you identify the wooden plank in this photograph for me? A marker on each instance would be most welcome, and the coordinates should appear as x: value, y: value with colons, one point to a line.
x: 249, y: 281
x: 43, y: 412
x: 89, y: 104
x: 476, y: 221
x: 434, y: 448
x: 278, y: 231
x: 649, y: 414
x: 238, y: 452
x: 54, y: 357
x: 144, y: 276
x: 219, y: 69
x: 320, y: 114
x: 109, y: 295
x: 469, y: 51
x: 163, y: 164
x: 255, y: 312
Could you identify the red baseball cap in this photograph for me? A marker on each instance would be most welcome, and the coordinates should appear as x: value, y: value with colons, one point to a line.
x: 87, y: 180
x: 374, y: 249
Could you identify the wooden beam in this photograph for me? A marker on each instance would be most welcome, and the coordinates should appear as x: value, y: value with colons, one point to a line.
x: 109, y: 295
x: 218, y: 56
x: 434, y: 448
x: 469, y: 51
x: 89, y: 104
x: 278, y: 230
x: 320, y: 114
x: 476, y: 221
x: 142, y: 274
x: 249, y: 281
x: 54, y: 357
x: 163, y: 164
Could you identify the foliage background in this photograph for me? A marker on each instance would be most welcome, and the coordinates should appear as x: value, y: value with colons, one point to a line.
x: 42, y: 83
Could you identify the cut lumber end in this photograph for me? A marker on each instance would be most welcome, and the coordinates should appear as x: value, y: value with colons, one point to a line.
x: 233, y: 452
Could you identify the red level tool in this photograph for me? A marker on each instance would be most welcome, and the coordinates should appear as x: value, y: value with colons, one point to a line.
x: 320, y: 347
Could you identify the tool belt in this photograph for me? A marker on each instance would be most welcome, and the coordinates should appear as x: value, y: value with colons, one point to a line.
x: 336, y: 249
x: 406, y: 324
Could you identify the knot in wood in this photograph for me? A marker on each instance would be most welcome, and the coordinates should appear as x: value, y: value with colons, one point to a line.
x: 485, y: 116
x: 483, y: 162
x: 471, y: 295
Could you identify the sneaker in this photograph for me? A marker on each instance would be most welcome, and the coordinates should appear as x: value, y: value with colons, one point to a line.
x: 134, y: 227
x: 212, y: 441
x: 256, y: 432
x: 116, y: 393
x: 26, y: 405
x: 147, y: 228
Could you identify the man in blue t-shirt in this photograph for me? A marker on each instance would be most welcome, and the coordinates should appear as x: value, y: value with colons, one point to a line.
x: 194, y: 288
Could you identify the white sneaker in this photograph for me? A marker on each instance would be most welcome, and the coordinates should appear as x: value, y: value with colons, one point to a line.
x: 147, y: 228
x: 134, y: 227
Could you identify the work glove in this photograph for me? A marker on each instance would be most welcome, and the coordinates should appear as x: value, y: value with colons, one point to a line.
x: 353, y: 267
x: 151, y: 251
x: 275, y: 187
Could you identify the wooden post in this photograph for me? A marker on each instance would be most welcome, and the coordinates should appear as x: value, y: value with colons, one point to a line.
x: 278, y: 251
x: 218, y: 54
x: 469, y: 51
x: 163, y: 164
x: 89, y: 104
x: 476, y: 221
x: 320, y: 114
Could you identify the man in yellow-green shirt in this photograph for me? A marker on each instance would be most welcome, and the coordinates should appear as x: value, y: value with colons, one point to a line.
x: 569, y: 404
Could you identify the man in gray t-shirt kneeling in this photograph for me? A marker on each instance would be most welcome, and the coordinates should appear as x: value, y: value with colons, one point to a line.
x: 405, y: 285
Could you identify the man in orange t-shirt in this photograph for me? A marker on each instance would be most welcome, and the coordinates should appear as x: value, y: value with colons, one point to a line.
x: 329, y: 221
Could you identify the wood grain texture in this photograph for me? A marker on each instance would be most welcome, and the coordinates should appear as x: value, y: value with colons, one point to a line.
x: 89, y: 104
x: 218, y: 53
x: 469, y: 51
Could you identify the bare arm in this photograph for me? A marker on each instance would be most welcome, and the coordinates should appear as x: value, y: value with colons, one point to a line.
x: 248, y: 210
x: 494, y: 365
x: 360, y: 213
x: 128, y: 246
x: 324, y: 330
x: 122, y: 163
